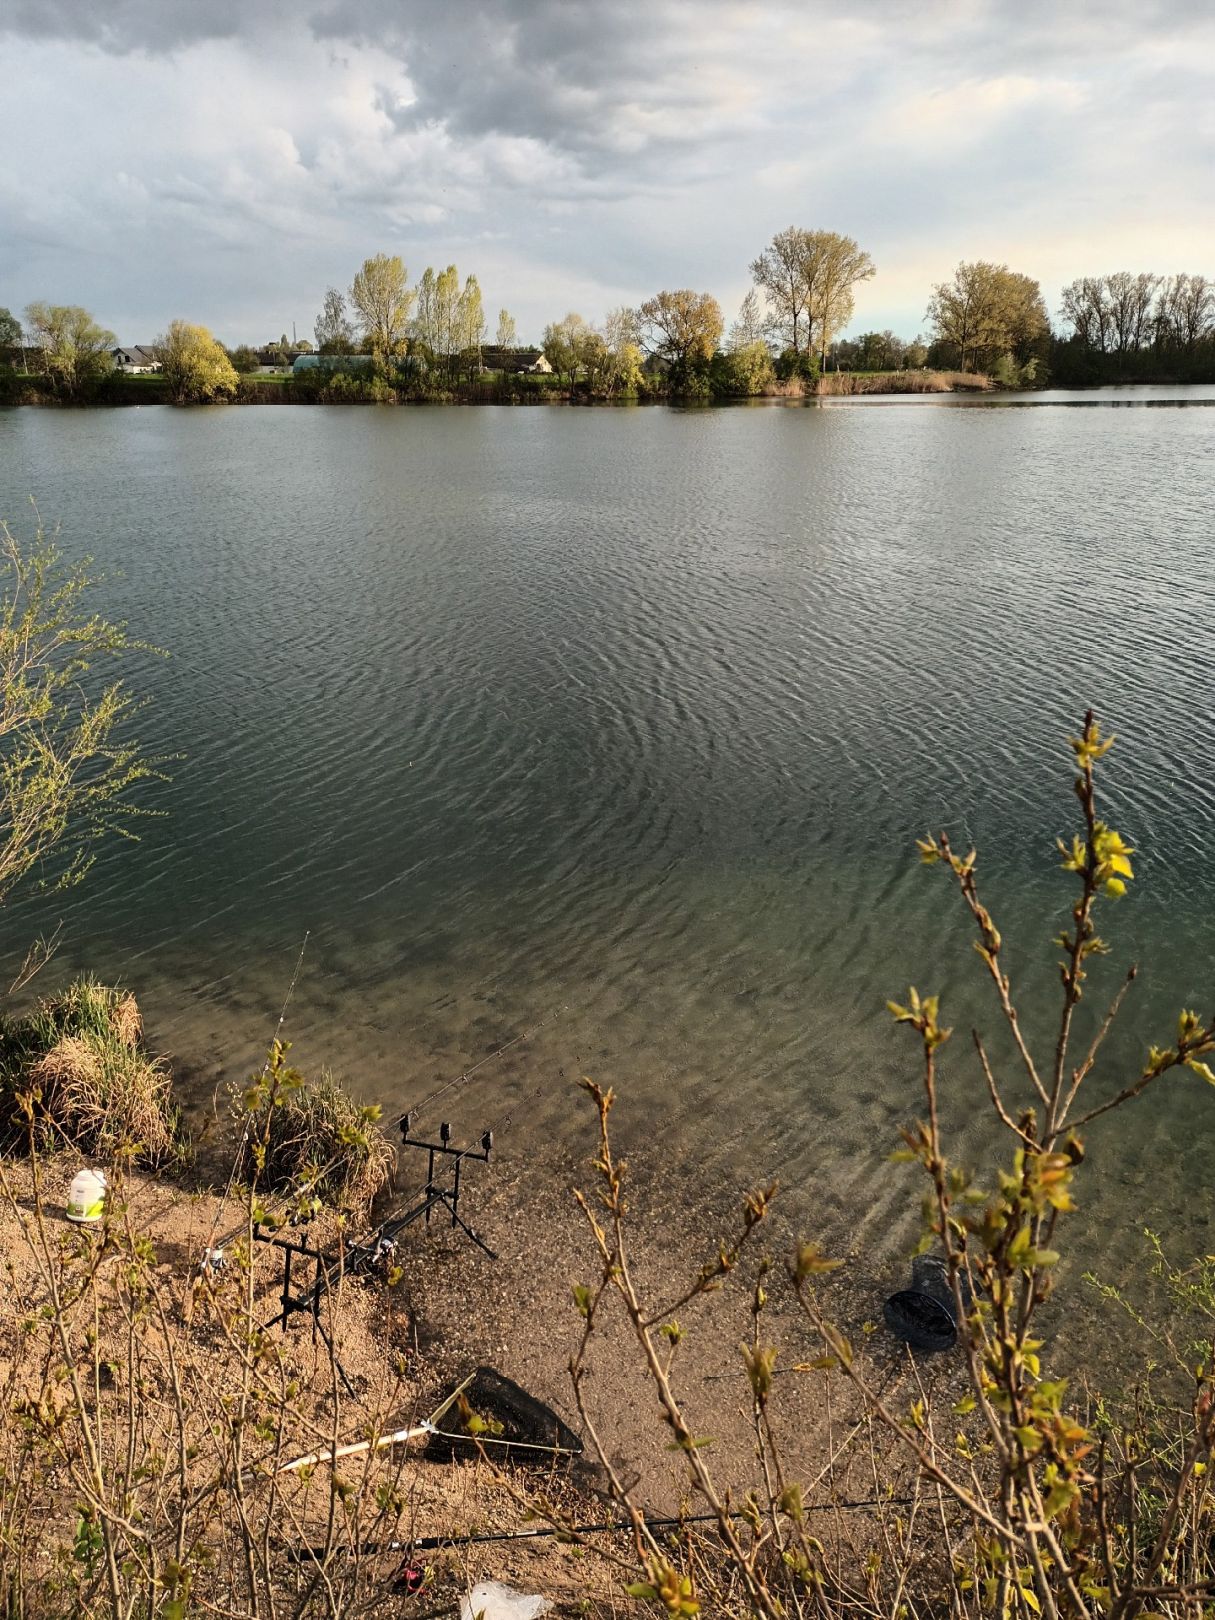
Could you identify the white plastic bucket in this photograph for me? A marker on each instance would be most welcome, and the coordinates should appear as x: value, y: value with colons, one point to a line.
x: 86, y: 1197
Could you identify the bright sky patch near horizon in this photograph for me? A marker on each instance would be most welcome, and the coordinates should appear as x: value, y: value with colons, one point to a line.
x: 227, y: 160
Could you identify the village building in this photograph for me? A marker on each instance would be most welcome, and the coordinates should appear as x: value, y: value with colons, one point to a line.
x: 138, y: 358
x: 496, y: 359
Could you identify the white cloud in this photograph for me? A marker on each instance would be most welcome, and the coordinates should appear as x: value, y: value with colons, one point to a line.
x: 227, y: 162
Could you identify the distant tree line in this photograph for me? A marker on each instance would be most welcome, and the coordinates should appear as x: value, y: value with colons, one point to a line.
x: 385, y: 338
x: 1127, y: 327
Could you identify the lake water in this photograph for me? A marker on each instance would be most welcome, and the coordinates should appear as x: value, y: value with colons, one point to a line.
x: 627, y: 720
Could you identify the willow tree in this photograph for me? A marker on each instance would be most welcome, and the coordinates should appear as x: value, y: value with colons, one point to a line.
x: 67, y: 764
x: 72, y: 349
x: 195, y: 365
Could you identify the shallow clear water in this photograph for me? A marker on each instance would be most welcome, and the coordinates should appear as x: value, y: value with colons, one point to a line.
x: 628, y: 720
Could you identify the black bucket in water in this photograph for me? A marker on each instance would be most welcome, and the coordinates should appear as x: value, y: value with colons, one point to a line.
x: 924, y: 1315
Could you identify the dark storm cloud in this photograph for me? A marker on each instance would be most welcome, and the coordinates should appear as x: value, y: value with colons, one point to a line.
x: 130, y: 25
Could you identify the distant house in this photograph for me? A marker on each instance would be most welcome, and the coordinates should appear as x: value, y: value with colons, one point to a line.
x: 332, y: 362
x: 496, y: 359
x: 140, y: 357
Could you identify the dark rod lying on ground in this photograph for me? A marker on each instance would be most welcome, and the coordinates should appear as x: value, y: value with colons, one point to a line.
x: 433, y: 1543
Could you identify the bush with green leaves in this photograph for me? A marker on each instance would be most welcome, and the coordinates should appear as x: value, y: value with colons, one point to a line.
x: 309, y: 1139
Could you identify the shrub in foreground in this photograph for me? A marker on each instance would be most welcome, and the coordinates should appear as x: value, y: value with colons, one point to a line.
x: 310, y: 1138
x: 1023, y: 1499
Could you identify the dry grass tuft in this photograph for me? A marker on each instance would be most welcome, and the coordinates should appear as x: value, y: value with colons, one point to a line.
x: 70, y: 1064
x: 78, y: 1056
x: 128, y: 1022
x: 836, y: 383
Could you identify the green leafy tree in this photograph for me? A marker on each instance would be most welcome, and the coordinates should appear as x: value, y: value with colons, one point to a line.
x: 425, y: 320
x: 195, y: 365
x: 470, y: 326
x: 841, y: 264
x: 879, y: 351
x: 244, y: 359
x: 446, y: 318
x: 10, y: 334
x: 382, y: 298
x: 627, y: 363
x: 67, y: 765
x: 447, y: 314
x: 682, y: 329
x: 744, y: 372
x: 71, y: 348
x: 507, y: 335
x: 564, y: 346
x: 988, y: 310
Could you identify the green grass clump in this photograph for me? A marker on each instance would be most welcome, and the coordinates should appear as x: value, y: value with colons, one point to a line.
x: 79, y: 1063
x: 320, y: 1143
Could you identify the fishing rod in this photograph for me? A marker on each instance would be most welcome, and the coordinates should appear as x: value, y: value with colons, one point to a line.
x: 434, y: 1543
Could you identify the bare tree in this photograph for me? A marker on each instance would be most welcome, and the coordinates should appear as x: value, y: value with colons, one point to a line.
x: 1084, y: 303
x: 751, y: 324
x: 782, y: 273
x: 1130, y: 300
x: 1185, y: 311
x: 334, y: 331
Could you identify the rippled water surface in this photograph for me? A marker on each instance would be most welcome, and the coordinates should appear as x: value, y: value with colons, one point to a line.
x: 627, y: 720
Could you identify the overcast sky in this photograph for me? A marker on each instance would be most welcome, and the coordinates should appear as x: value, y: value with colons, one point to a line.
x: 227, y: 160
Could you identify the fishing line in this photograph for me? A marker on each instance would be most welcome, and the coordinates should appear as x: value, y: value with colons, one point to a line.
x: 488, y: 1058
x: 244, y: 1135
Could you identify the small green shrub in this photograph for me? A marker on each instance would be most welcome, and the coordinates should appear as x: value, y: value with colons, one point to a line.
x: 310, y: 1139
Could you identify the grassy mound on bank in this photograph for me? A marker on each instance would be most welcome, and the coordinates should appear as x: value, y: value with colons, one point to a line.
x: 75, y: 1069
x: 309, y: 1139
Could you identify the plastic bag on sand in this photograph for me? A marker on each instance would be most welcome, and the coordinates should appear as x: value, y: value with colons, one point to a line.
x: 490, y: 1600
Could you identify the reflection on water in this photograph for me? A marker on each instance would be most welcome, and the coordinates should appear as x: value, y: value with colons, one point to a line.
x: 623, y: 724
